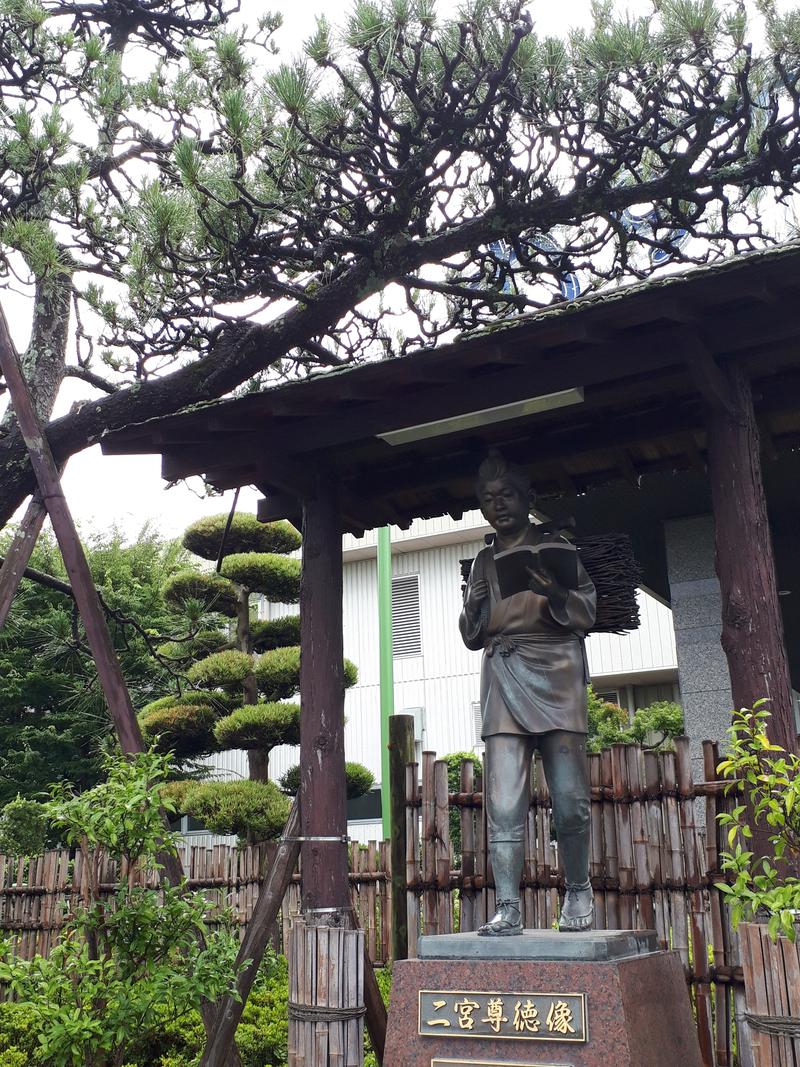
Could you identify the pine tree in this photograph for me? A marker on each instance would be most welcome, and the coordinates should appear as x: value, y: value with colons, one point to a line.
x: 242, y: 673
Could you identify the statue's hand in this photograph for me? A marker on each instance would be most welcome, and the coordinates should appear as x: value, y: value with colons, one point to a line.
x: 543, y: 583
x: 476, y: 594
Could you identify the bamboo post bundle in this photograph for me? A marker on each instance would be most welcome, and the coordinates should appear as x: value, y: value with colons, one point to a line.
x: 622, y: 812
x: 467, y: 822
x: 528, y: 902
x: 481, y: 864
x: 442, y: 858
x: 697, y: 913
x: 675, y: 877
x: 772, y: 982
x: 596, y: 861
x: 326, y: 996
x: 430, y: 918
x: 413, y: 870
x: 544, y: 863
x: 639, y: 837
x: 610, y: 849
x: 655, y: 835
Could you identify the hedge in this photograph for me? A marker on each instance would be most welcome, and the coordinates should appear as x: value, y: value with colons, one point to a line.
x: 358, y: 777
x: 278, y: 673
x: 185, y: 729
x: 261, y: 726
x: 212, y: 591
x: 223, y: 669
x: 277, y: 577
x: 275, y: 633
x: 253, y: 810
x: 246, y: 534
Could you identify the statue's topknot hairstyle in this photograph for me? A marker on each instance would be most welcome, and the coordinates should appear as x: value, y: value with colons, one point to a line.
x: 495, y: 467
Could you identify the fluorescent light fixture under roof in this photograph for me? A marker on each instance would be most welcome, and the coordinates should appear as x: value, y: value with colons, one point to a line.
x: 471, y: 420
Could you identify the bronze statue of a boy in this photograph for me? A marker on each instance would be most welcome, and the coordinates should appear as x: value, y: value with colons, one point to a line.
x: 533, y: 695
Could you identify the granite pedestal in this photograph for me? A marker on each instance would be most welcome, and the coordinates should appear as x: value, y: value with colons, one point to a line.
x: 544, y: 999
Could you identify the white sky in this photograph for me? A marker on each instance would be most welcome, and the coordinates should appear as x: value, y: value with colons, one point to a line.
x: 128, y: 491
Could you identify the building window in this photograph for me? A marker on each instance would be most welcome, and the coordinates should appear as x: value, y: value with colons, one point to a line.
x: 477, y: 720
x: 406, y: 631
x: 611, y: 696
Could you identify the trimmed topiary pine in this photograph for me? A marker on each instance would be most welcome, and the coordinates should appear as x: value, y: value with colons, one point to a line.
x: 246, y: 534
x: 278, y: 673
x: 277, y: 577
x: 185, y: 729
x: 217, y: 700
x: 223, y: 670
x: 261, y: 726
x: 360, y: 780
x: 267, y: 634
x: 210, y: 590
x: 256, y: 811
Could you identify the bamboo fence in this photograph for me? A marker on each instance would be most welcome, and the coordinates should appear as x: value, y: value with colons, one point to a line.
x: 651, y: 866
x: 37, y: 895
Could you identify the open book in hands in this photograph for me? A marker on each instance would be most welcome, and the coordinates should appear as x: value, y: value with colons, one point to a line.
x: 558, y: 559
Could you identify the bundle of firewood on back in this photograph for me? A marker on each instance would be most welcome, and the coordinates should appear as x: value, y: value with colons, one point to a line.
x: 615, y: 571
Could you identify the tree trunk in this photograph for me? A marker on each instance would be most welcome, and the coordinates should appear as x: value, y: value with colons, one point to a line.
x: 752, y: 626
x: 323, y: 803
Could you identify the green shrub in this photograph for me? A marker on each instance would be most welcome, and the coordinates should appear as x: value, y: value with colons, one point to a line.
x: 224, y: 669
x: 217, y: 701
x: 277, y: 577
x: 18, y: 1041
x: 185, y: 729
x: 253, y: 810
x: 261, y: 726
x: 23, y: 827
x: 662, y: 720
x: 607, y: 722
x: 278, y: 673
x: 212, y: 591
x: 358, y: 777
x: 275, y: 633
x: 246, y: 534
x: 454, y: 761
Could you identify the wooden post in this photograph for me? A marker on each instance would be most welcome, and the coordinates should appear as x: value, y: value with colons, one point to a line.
x: 752, y: 626
x: 401, y: 752
x: 323, y: 800
x: 108, y: 669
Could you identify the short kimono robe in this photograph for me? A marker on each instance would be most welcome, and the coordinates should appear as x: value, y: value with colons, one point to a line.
x: 534, y: 671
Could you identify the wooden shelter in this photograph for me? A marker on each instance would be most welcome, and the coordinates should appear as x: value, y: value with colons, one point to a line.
x: 628, y: 407
x: 613, y: 402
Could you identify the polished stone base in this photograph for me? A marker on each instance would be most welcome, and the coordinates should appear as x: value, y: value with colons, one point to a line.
x: 540, y: 945
x: 636, y: 1009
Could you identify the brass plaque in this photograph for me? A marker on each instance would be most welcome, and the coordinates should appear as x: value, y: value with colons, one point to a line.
x: 494, y: 1014
x: 490, y: 1063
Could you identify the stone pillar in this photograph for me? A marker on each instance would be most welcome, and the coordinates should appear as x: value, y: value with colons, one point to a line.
x: 697, y: 617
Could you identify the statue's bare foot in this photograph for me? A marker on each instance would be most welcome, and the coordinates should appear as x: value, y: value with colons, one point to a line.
x: 506, y: 922
x: 577, y: 912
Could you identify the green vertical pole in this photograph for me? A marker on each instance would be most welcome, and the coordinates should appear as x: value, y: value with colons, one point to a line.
x: 386, y: 666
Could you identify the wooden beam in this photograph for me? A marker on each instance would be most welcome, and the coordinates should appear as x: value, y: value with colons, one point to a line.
x: 706, y: 372
x: 752, y: 624
x: 276, y: 506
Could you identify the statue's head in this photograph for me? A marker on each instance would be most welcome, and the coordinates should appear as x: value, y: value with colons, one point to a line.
x: 504, y: 494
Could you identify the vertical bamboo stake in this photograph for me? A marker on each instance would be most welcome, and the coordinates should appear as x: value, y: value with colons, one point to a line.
x: 467, y: 816
x: 413, y: 868
x: 430, y: 917
x: 401, y: 753
x: 596, y: 866
x: 442, y: 847
x: 640, y: 840
x: 611, y: 851
x: 621, y: 791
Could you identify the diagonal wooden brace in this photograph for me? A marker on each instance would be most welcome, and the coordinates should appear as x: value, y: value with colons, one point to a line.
x: 86, y: 597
